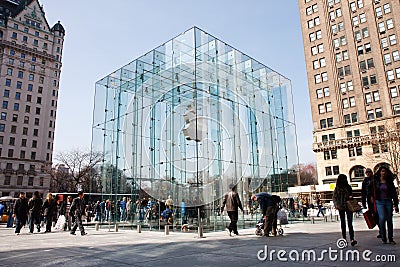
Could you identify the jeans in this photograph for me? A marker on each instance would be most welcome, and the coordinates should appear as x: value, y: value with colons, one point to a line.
x: 320, y: 211
x: 34, y: 219
x: 342, y: 215
x: 385, y: 213
x: 123, y: 215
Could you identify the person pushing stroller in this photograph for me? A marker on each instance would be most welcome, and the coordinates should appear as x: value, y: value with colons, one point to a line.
x: 269, y: 207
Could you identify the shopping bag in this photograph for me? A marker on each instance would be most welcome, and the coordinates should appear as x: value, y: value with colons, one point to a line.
x: 60, y: 222
x: 369, y: 219
x: 282, y: 217
x: 353, y: 205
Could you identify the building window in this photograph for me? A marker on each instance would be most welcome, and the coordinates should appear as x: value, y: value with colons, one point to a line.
x: 378, y: 113
x: 330, y: 122
x: 368, y: 98
x: 321, y: 108
x: 345, y: 103
x: 393, y: 92
x: 392, y: 39
x: 328, y: 107
x: 370, y: 115
x: 390, y: 75
x: 386, y: 8
x: 319, y: 93
x: 376, y: 96
x: 7, y: 180
x: 19, y: 180
x: 396, y: 109
x: 322, y: 124
x: 30, y: 181
x: 335, y: 170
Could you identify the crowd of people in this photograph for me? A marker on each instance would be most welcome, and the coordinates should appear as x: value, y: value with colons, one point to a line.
x: 37, y: 213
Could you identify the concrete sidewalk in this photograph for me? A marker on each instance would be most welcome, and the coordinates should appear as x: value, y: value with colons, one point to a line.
x: 150, y: 248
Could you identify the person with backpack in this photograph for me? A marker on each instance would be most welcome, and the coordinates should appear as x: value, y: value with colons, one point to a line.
x: 232, y: 202
x: 35, y: 208
x: 341, y: 195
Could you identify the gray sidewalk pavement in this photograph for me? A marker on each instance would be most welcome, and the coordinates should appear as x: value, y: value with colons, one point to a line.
x: 150, y: 248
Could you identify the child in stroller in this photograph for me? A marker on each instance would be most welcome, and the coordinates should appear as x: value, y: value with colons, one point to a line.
x: 277, y: 228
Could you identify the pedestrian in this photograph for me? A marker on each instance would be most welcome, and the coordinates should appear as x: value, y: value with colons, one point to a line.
x: 49, y: 209
x: 267, y: 207
x: 385, y: 199
x: 97, y: 209
x: 232, y: 202
x: 367, y: 196
x: 21, y: 210
x: 35, y: 208
x: 320, y: 206
x: 108, y: 210
x: 305, y: 205
x: 76, y: 211
x: 65, y: 207
x: 341, y: 195
x: 122, y: 209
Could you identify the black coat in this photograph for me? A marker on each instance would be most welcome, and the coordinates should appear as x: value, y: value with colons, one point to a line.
x: 77, y: 207
x: 35, y: 206
x: 49, y: 208
x: 21, y: 208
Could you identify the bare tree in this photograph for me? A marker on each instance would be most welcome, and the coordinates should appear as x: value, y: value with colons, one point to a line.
x: 307, y: 172
x: 386, y: 144
x: 81, y: 168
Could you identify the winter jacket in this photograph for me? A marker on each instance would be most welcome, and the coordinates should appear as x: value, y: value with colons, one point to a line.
x: 341, y: 195
x: 35, y: 206
x: 231, y: 201
x: 21, y: 208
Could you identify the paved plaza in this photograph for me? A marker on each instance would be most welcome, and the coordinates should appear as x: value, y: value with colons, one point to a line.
x: 127, y: 247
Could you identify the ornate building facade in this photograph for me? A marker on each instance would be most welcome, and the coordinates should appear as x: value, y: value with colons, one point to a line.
x: 30, y: 68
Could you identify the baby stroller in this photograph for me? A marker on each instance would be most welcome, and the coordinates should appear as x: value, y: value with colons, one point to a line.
x: 282, y: 220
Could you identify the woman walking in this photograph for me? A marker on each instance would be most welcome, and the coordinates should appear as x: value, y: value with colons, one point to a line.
x: 49, y: 207
x: 385, y: 197
x: 342, y: 193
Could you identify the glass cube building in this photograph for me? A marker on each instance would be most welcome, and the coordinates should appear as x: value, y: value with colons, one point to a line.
x: 189, y: 119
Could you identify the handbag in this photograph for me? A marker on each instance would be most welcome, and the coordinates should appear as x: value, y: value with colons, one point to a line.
x: 369, y: 219
x: 353, y: 205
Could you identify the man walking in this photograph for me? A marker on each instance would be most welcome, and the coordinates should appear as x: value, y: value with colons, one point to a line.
x: 232, y: 202
x: 76, y: 211
x: 367, y: 195
x: 35, y: 208
x: 20, y: 212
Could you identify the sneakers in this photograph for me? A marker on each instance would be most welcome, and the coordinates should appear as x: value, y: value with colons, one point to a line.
x: 72, y: 233
x: 83, y: 233
x: 353, y: 243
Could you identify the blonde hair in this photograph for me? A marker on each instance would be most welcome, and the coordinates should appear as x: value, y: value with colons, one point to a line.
x: 49, y: 197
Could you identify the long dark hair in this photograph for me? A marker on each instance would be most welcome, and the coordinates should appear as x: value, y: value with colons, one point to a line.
x: 389, y: 173
x: 342, y: 181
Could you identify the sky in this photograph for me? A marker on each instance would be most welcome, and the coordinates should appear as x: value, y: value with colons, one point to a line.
x: 102, y: 36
